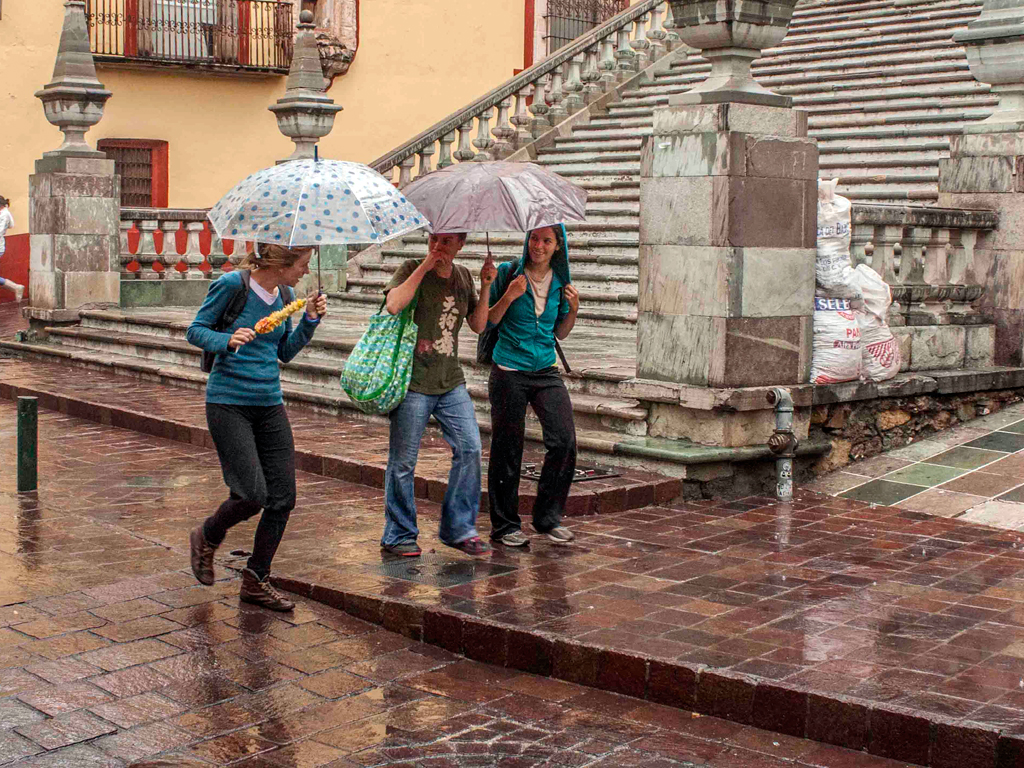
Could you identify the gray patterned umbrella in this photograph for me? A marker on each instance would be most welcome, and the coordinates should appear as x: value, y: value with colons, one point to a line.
x: 498, y: 196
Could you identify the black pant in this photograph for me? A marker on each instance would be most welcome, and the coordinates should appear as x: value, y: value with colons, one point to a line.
x: 510, y: 392
x: 257, y: 456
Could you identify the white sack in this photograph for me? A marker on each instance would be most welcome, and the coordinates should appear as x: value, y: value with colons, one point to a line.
x: 832, y: 269
x: 881, y: 351
x: 836, y: 355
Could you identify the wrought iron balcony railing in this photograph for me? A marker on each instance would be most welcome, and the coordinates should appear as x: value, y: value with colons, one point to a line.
x: 246, y: 35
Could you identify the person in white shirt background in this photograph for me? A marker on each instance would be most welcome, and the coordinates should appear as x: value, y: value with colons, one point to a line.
x: 6, y: 222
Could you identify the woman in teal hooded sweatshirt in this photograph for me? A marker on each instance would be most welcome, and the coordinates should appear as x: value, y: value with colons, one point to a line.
x: 538, y: 305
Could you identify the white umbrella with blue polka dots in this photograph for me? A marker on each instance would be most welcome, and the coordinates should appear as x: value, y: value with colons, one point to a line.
x: 306, y: 203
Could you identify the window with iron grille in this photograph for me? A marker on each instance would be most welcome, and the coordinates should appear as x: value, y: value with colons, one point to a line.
x: 568, y: 19
x: 142, y: 166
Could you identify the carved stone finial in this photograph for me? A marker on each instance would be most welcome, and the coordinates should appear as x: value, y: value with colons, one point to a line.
x: 305, y: 114
x: 74, y: 99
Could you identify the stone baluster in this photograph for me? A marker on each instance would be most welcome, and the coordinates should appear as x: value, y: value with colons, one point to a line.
x: 483, y: 140
x: 147, y: 254
x: 916, y: 292
x: 936, y: 263
x: 425, y: 155
x: 503, y: 131
x: 962, y: 276
x: 521, y: 120
x: 640, y: 44
x: 625, y: 56
x: 574, y: 100
x: 886, y: 249
x: 171, y: 257
x: 127, y: 257
x: 539, y: 108
x: 557, y: 113
x: 465, y: 152
x: 446, y: 142
x: 405, y: 172
x: 193, y: 251
x: 657, y: 34
x: 607, y: 63
x: 591, y: 76
x: 862, y: 238
x: 672, y: 40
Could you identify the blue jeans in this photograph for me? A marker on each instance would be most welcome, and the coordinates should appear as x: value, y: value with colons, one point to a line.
x: 454, y: 411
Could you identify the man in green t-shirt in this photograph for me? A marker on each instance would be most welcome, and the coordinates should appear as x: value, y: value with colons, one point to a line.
x: 445, y: 298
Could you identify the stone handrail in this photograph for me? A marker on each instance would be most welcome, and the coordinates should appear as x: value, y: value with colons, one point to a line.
x: 926, y: 255
x: 560, y: 85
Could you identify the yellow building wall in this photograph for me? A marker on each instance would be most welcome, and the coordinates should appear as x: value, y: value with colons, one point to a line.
x: 418, y: 61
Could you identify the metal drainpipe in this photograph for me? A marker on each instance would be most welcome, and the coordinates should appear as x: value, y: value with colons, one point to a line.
x: 783, y: 443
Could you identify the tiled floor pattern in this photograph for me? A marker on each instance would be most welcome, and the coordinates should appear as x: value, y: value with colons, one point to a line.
x: 111, y: 654
x: 973, y: 472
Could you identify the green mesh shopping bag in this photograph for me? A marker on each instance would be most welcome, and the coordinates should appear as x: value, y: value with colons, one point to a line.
x: 377, y: 372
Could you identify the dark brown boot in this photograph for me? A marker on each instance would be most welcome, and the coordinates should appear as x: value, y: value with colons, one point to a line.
x: 262, y: 593
x: 202, y: 556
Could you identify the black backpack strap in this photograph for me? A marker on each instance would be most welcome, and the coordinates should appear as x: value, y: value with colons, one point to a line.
x: 236, y: 304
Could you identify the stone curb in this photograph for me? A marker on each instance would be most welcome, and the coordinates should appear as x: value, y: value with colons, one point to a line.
x: 889, y: 731
x: 604, y: 501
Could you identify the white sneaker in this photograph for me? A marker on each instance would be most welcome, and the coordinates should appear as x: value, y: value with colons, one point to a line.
x: 561, y: 535
x: 19, y: 290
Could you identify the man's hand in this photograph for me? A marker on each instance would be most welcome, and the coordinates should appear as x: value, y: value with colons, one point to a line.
x: 433, y: 259
x: 573, y: 297
x: 488, y: 272
x: 316, y: 305
x: 240, y: 337
x: 516, y: 288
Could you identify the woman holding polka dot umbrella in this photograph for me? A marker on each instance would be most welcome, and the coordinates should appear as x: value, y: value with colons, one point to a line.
x: 243, y: 326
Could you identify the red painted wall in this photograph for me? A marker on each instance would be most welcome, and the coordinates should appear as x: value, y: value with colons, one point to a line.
x: 14, y: 265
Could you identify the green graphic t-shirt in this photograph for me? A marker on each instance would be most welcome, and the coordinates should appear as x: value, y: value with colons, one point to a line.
x: 442, y: 306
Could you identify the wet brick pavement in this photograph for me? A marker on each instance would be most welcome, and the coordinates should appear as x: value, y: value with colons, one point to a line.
x: 111, y: 655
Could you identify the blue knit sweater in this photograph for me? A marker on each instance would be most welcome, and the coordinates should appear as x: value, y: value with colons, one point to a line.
x: 249, y: 375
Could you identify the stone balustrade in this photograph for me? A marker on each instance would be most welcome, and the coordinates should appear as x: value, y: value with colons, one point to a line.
x: 539, y: 98
x: 926, y: 255
x: 172, y: 244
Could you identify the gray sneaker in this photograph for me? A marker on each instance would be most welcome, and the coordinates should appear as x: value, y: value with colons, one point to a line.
x: 561, y: 535
x: 514, y: 539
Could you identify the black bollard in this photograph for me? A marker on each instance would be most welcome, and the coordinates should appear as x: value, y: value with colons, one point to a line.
x: 28, y: 441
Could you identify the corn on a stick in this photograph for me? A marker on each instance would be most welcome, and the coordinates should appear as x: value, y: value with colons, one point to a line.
x: 274, y: 319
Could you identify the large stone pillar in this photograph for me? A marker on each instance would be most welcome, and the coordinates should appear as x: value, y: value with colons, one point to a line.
x: 986, y: 170
x: 74, y: 196
x: 728, y: 219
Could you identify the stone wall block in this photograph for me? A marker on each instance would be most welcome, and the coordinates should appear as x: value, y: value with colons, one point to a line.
x: 40, y: 253
x: 676, y: 211
x: 980, y: 346
x: 743, y: 118
x: 694, y: 280
x: 87, y: 215
x: 698, y: 348
x: 693, y: 154
x: 986, y: 145
x: 90, y: 166
x: 78, y: 185
x: 48, y: 215
x: 709, y: 427
x: 978, y: 174
x: 777, y: 282
x: 39, y: 185
x: 47, y: 290
x: 762, y: 351
x: 772, y: 213
x: 938, y: 347
x: 84, y: 252
x: 82, y: 288
x: 777, y: 158
x: 1010, y: 233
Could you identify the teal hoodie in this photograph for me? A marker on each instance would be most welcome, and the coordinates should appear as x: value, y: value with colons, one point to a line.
x: 527, y: 342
